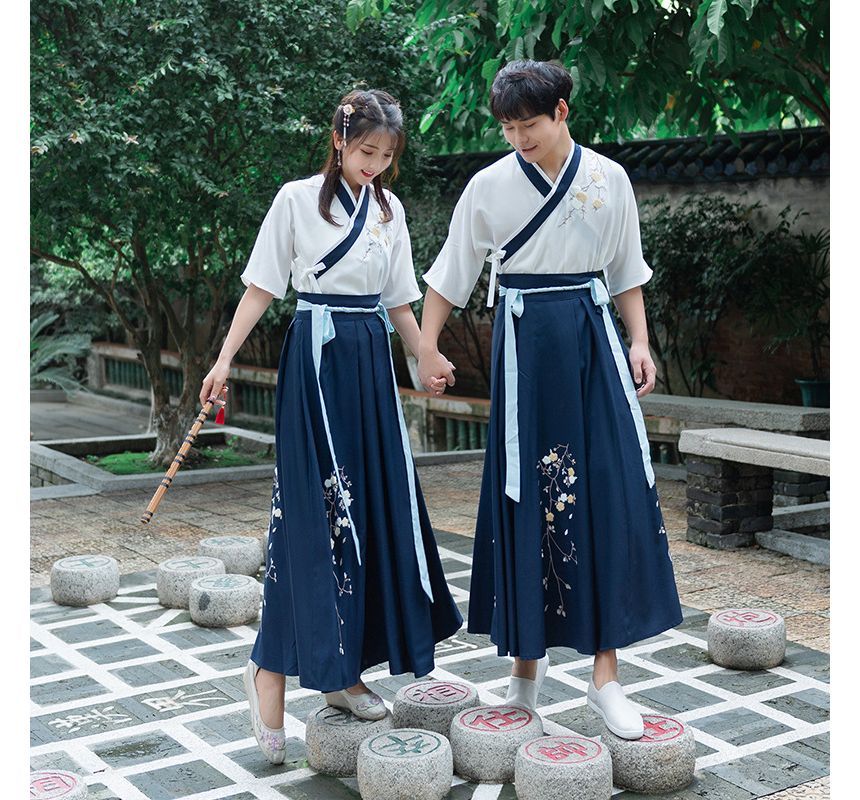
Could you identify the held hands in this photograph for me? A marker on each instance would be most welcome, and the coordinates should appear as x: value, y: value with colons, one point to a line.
x: 435, y: 372
x: 215, y: 384
x: 644, y: 370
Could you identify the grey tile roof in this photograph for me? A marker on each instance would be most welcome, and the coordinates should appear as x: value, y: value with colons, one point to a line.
x: 769, y: 154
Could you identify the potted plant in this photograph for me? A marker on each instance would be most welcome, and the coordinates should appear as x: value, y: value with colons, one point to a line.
x: 807, y: 316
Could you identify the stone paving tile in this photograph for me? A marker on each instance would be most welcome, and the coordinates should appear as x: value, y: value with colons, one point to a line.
x: 181, y: 780
x: 141, y: 675
x: 740, y: 726
x: 230, y: 727
x: 48, y: 664
x: 627, y: 673
x: 318, y: 787
x: 704, y: 785
x: 251, y: 759
x: 745, y: 682
x: 138, y: 749
x: 673, y: 698
x: 810, y: 705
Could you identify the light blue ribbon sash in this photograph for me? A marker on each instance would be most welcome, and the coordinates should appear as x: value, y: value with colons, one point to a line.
x: 514, y: 305
x: 322, y: 332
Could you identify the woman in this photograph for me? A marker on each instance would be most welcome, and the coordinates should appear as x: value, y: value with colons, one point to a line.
x: 353, y: 577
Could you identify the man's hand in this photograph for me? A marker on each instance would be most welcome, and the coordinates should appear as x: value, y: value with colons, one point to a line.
x: 435, y: 372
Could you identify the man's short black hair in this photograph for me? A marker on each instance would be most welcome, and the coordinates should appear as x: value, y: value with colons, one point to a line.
x: 525, y: 89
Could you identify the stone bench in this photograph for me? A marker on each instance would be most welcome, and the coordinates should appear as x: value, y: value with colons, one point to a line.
x: 222, y: 601
x: 242, y: 555
x: 730, y: 481
x: 84, y: 580
x: 432, y: 705
x: 662, y: 761
x: 673, y: 414
x: 746, y: 638
x: 333, y: 737
x: 175, y: 576
x: 563, y: 767
x: 405, y: 763
x: 485, y: 741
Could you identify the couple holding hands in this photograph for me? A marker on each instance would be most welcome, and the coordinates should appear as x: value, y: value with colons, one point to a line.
x: 570, y: 548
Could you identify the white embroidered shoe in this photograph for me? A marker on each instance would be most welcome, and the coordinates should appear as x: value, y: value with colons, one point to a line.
x: 273, y: 742
x: 367, y: 705
x: 619, y: 714
x: 524, y: 692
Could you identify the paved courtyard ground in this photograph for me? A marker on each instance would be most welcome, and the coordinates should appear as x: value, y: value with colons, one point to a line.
x: 147, y: 705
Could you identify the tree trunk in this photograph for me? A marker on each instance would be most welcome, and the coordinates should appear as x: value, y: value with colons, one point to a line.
x: 171, y: 424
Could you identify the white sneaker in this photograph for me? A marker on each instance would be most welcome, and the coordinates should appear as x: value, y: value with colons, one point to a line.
x: 367, y: 705
x: 524, y: 692
x: 616, y: 711
x: 273, y: 742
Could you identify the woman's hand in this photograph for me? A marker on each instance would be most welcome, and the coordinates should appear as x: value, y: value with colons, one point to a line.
x: 215, y: 383
x: 435, y: 372
x: 644, y: 370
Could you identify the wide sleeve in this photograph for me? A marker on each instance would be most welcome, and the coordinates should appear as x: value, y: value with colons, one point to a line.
x: 458, y: 266
x: 272, y: 256
x: 402, y: 286
x: 627, y: 267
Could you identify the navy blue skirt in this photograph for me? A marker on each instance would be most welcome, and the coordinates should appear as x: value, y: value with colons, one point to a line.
x: 582, y: 560
x: 326, y: 618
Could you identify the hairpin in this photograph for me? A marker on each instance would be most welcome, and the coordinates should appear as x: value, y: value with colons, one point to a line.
x: 347, y: 111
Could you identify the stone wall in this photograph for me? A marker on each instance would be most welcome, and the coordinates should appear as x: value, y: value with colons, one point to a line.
x: 39, y: 476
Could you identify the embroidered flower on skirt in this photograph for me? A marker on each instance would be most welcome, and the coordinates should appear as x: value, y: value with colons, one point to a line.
x: 338, y: 523
x: 557, y: 476
x: 276, y: 514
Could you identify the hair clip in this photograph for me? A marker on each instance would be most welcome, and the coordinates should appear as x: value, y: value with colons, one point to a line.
x: 347, y: 110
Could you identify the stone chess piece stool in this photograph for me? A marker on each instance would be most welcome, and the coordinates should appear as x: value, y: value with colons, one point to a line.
x: 562, y: 767
x: 432, y: 705
x: 333, y: 737
x: 84, y: 580
x: 405, y: 764
x: 219, y: 601
x: 485, y: 740
x: 241, y: 554
x: 57, y: 784
x: 175, y: 576
x: 661, y: 761
x: 746, y: 638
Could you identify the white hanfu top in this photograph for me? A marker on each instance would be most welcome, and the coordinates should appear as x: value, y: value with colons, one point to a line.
x: 595, y: 227
x: 293, y: 237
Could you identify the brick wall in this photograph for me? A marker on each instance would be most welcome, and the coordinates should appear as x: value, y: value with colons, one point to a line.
x: 747, y: 372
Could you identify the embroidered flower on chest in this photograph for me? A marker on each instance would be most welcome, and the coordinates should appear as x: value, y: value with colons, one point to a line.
x: 588, y: 196
x: 378, y: 236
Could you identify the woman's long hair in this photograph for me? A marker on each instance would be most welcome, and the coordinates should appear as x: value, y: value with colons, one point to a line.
x: 375, y: 111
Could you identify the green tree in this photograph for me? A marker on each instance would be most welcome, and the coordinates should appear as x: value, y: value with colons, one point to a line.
x: 160, y: 133
x: 639, y: 67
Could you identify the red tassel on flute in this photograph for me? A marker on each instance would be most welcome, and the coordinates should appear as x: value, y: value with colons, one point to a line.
x: 219, y: 417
